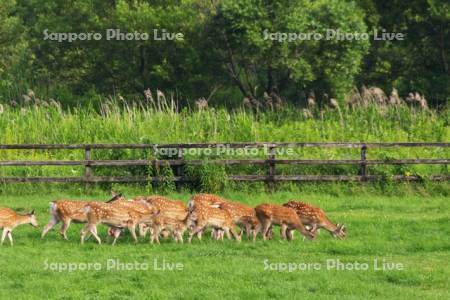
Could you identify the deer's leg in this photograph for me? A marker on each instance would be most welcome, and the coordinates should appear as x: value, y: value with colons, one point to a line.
x: 290, y: 234
x: 308, y: 234
x: 154, y: 235
x: 227, y: 232
x: 270, y: 233
x: 93, y: 230
x: 255, y: 231
x: 10, y: 237
x: 180, y: 237
x: 132, y: 229
x: 241, y: 230
x: 116, y: 233
x: 265, y: 228
x: 64, y: 227
x: 248, y: 230
x: 53, y: 221
x: 234, y: 233
x: 83, y: 232
x: 197, y: 230
x: 314, y: 229
x: 283, y: 231
x: 4, y: 234
x: 143, y: 228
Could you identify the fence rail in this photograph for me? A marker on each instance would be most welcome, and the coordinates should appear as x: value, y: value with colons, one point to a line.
x: 271, y: 162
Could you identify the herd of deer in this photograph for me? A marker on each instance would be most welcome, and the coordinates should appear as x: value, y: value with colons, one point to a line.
x: 162, y: 216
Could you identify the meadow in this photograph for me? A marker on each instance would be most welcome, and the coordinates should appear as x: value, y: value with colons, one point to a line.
x: 408, y: 230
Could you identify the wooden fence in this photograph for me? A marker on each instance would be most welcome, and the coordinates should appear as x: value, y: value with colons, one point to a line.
x: 271, y: 161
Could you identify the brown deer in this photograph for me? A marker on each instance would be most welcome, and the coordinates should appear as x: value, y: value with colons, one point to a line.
x: 285, y: 217
x: 114, y: 216
x: 137, y: 204
x: 315, y: 218
x: 243, y: 216
x: 168, y: 208
x: 209, y: 200
x: 175, y: 226
x: 67, y: 211
x: 9, y: 220
x: 202, y: 216
x: 205, y: 199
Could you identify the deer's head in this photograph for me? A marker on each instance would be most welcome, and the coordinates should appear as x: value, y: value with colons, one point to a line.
x: 33, y: 220
x: 340, y: 232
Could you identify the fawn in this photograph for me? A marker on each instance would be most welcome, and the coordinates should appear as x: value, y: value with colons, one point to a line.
x: 315, y: 218
x: 138, y: 204
x: 114, y: 216
x: 209, y: 200
x: 168, y: 208
x: 9, y: 220
x: 285, y: 217
x: 202, y: 216
x: 169, y: 224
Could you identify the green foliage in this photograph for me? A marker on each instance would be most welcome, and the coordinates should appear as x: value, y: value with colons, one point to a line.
x: 421, y: 61
x: 12, y: 44
x: 259, y: 64
x: 166, y: 184
x: 225, y: 53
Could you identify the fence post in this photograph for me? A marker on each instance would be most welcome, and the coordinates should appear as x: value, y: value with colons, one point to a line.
x: 363, y: 166
x: 271, y: 169
x: 87, y: 166
x: 179, y: 170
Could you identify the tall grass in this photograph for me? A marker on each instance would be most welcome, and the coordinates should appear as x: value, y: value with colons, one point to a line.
x: 159, y: 120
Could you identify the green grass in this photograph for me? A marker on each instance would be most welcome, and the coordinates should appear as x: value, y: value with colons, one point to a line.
x: 117, y: 123
x: 409, y: 230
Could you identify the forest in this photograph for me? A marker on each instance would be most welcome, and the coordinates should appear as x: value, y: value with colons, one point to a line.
x: 224, y: 53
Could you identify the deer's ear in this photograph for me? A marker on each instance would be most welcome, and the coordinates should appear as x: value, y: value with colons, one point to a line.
x: 32, y: 212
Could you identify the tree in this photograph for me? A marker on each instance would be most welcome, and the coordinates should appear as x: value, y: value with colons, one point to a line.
x: 419, y: 63
x: 258, y: 64
x: 12, y: 43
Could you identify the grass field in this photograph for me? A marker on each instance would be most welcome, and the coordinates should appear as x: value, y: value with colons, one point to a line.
x: 412, y: 231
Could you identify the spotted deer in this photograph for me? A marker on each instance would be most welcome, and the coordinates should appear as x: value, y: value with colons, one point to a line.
x: 202, y: 216
x: 114, y: 216
x: 138, y: 204
x: 67, y: 211
x: 168, y: 208
x: 169, y: 224
x: 9, y: 220
x: 243, y: 216
x: 205, y: 199
x: 315, y: 218
x: 272, y: 214
x: 209, y: 200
